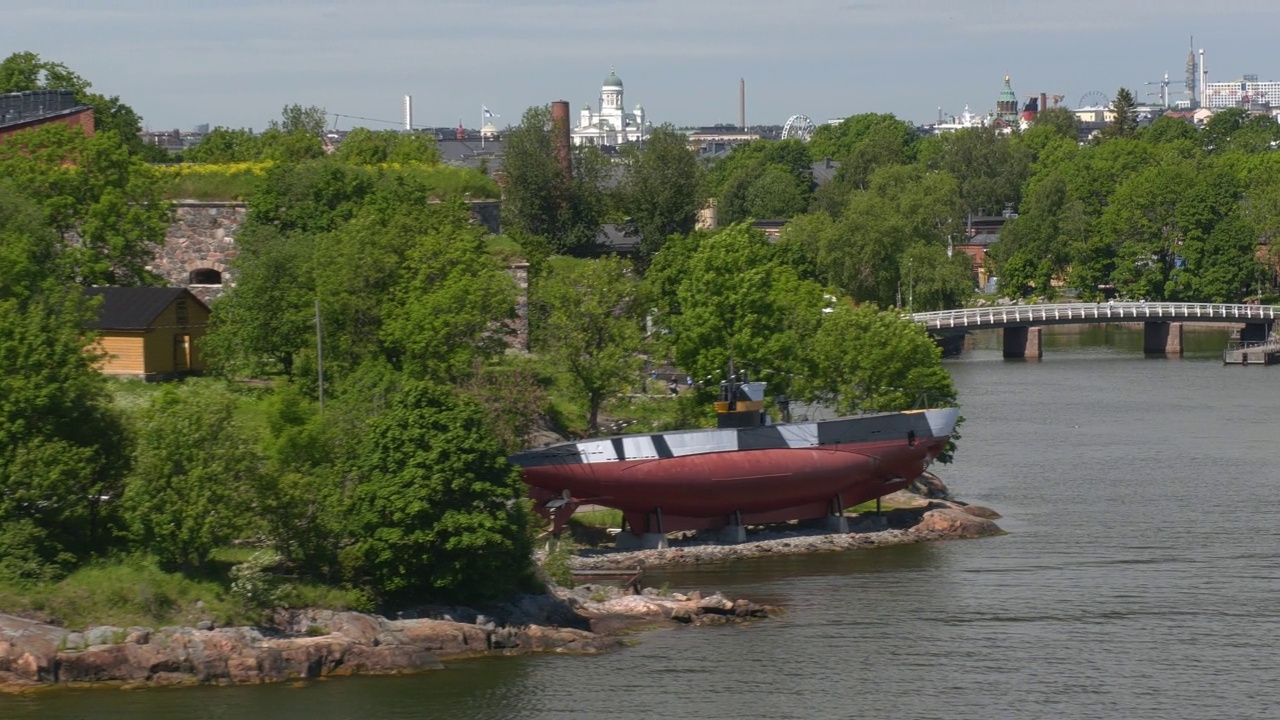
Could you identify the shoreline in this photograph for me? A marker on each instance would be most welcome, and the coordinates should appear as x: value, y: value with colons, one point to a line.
x: 931, y: 521
x: 590, y: 619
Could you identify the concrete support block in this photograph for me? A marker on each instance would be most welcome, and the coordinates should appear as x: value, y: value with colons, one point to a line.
x: 867, y: 522
x: 647, y: 541
x: 1162, y: 338
x: 837, y: 524
x: 1022, y: 342
x: 732, y: 535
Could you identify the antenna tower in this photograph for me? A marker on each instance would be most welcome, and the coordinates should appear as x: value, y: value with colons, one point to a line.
x: 1191, y: 71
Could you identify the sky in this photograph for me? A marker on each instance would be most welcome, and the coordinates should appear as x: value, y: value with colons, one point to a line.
x: 238, y: 62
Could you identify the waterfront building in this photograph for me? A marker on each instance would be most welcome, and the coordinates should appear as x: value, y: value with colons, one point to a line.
x: 610, y: 124
x: 1244, y: 93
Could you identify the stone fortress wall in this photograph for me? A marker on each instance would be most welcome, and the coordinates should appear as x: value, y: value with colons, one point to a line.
x: 201, y: 243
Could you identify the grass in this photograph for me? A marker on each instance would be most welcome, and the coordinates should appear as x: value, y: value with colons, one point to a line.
x: 135, y: 591
x: 132, y: 591
x: 211, y: 187
x: 598, y: 518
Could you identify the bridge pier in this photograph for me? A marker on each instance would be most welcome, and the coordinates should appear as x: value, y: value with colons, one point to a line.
x: 1162, y: 338
x: 1022, y: 341
x: 1256, y: 332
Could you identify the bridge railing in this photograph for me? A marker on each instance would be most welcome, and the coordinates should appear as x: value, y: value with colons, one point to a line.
x: 1008, y: 315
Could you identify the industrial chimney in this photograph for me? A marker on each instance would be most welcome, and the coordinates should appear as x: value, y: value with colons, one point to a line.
x: 742, y: 104
x: 1204, y: 81
x: 408, y: 112
x: 560, y: 136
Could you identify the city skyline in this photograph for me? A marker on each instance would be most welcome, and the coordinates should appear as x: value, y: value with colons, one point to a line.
x: 237, y: 62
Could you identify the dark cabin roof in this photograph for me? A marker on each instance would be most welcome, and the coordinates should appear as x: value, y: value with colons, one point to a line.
x: 133, y: 308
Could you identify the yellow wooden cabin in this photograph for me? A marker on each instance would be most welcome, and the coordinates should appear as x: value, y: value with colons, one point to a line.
x: 149, y: 332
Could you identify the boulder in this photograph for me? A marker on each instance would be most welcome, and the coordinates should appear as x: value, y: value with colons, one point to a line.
x: 949, y: 522
x: 445, y: 639
x: 982, y: 512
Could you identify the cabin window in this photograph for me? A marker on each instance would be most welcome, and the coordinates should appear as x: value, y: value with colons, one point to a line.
x: 204, y: 276
x: 181, y: 352
x: 180, y: 309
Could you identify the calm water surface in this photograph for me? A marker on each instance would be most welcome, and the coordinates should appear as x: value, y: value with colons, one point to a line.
x: 1139, y: 580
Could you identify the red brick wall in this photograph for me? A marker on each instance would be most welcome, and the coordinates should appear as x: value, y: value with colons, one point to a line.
x: 82, y: 119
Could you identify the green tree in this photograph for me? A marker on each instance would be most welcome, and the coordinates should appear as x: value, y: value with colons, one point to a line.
x: 226, y: 145
x: 24, y: 71
x: 1035, y: 247
x: 661, y: 191
x: 105, y: 203
x: 590, y: 329
x: 862, y: 254
x: 369, y: 147
x: 738, y: 300
x: 870, y: 361
x: 934, y: 279
x: 437, y: 513
x: 310, y: 120
x: 539, y: 200
x: 1125, y: 123
x: 29, y: 250
x: 62, y: 457
x: 449, y: 308
x: 842, y: 141
x: 1061, y: 120
x: 990, y: 168
x: 196, y: 480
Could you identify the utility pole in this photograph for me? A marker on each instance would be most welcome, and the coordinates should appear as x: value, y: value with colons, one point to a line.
x: 320, y: 353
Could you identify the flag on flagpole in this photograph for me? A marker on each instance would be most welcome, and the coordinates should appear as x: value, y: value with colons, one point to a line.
x: 488, y: 113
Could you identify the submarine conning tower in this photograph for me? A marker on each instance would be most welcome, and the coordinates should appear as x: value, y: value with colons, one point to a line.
x: 741, y: 405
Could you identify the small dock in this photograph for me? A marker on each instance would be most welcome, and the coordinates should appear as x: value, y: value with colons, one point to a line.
x: 629, y: 578
x: 1253, y: 353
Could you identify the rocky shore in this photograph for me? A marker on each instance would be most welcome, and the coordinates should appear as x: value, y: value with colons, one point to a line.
x: 303, y: 645
x: 914, y: 519
x: 300, y: 645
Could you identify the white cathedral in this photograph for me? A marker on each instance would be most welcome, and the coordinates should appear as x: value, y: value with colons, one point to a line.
x: 613, y: 125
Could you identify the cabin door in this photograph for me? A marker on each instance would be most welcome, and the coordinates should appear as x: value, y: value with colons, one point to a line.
x: 181, y: 352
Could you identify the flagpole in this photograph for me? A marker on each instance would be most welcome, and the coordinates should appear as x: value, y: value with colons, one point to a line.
x: 482, y: 109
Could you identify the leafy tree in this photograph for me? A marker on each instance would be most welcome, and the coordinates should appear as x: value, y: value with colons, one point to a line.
x: 1035, y: 248
x: 226, y: 145
x: 1062, y: 121
x: 196, y: 477
x: 862, y: 253
x: 105, y: 203
x: 29, y: 250
x: 294, y: 118
x: 23, y: 71
x: 933, y: 279
x: 842, y: 141
x: 369, y: 147
x: 590, y: 329
x: 447, y: 310
x: 62, y: 457
x: 870, y: 361
x: 989, y: 168
x: 661, y: 191
x: 1166, y: 130
x: 539, y: 201
x: 776, y: 194
x: 261, y: 324
x: 737, y: 300
x: 437, y: 513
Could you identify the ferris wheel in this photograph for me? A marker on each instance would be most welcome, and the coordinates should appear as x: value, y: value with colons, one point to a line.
x: 1095, y: 98
x: 799, y: 127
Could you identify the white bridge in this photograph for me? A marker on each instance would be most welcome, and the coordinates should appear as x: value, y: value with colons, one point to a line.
x: 989, y: 318
x: 1162, y: 321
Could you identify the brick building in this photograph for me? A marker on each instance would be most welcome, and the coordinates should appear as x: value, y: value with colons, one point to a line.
x: 26, y: 110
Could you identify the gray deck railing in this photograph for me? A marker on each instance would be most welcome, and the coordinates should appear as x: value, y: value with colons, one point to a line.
x: 1065, y: 313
